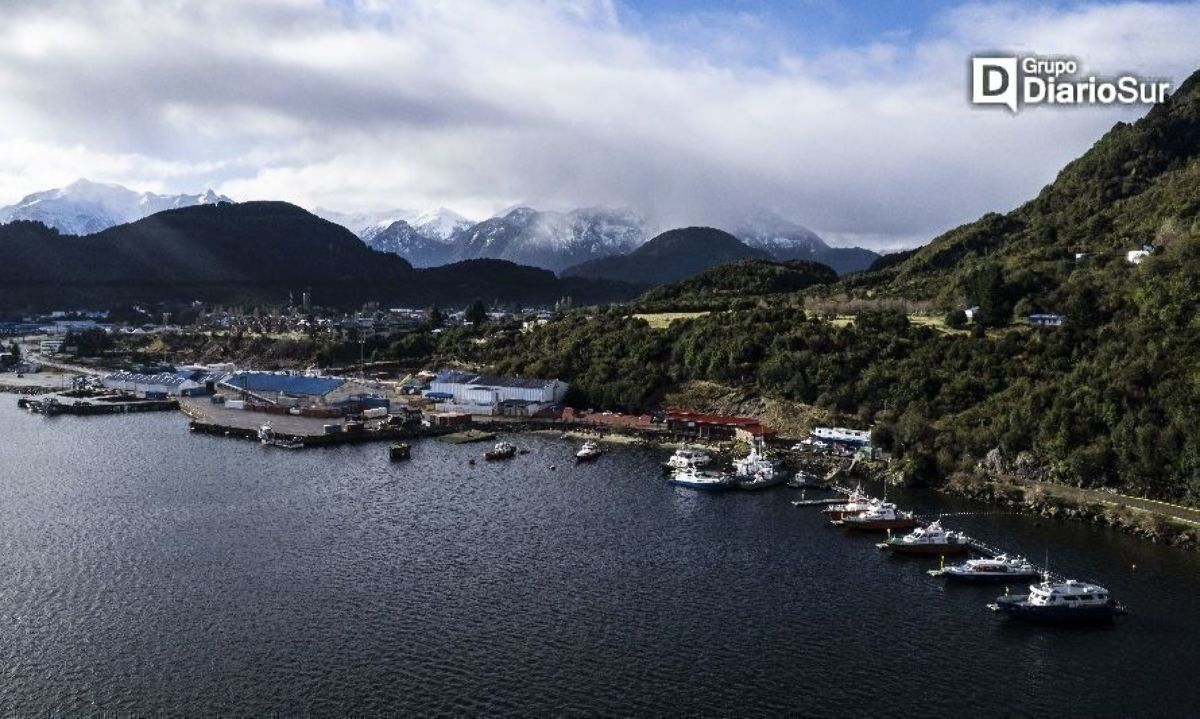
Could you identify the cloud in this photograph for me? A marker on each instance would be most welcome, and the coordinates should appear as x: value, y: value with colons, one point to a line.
x: 478, y: 105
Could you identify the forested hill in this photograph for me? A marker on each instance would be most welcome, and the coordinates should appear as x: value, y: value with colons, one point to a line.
x: 253, y: 251
x: 670, y: 257
x: 736, y: 284
x: 1136, y: 186
x: 1106, y: 400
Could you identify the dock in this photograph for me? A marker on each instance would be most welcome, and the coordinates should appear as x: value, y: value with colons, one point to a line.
x: 467, y: 436
x: 55, y: 406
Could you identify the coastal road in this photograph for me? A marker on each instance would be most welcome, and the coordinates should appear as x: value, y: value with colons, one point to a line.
x: 1178, y: 512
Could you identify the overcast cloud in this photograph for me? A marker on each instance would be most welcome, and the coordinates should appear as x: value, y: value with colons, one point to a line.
x: 478, y: 105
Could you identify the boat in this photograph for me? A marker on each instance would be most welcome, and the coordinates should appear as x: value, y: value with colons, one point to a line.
x: 695, y: 479
x: 994, y: 569
x: 805, y: 480
x: 856, y: 503
x: 930, y: 539
x: 265, y: 433
x: 685, y: 457
x: 1059, y: 602
x: 284, y: 443
x: 589, y: 451
x: 502, y: 450
x: 398, y: 451
x: 756, y: 470
x: 881, y: 516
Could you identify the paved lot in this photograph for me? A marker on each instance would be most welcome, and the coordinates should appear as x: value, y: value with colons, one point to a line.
x: 202, y: 409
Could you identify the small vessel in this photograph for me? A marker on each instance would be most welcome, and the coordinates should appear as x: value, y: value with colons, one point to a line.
x: 756, y: 470
x: 1059, y: 602
x: 856, y: 503
x: 265, y: 433
x: 930, y: 539
x: 502, y: 450
x: 881, y: 516
x: 589, y: 451
x: 804, y: 480
x: 685, y: 457
x: 398, y: 451
x: 284, y: 443
x: 695, y: 479
x: 995, y: 569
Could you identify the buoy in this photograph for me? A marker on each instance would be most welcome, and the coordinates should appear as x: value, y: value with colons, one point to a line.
x: 553, y: 467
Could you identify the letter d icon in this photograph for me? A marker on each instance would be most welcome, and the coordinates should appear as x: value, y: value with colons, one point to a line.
x: 994, y: 81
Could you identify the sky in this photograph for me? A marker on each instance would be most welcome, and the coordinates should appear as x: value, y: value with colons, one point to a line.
x: 850, y: 118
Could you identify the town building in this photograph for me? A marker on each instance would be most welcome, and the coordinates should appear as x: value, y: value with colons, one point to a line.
x: 842, y: 435
x: 481, y: 394
x: 1046, y: 320
x: 162, y: 384
x: 712, y: 426
x: 1135, y: 257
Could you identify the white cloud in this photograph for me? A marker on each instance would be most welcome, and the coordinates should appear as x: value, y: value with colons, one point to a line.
x: 477, y: 105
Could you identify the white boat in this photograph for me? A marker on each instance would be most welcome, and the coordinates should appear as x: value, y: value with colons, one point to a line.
x: 756, y: 470
x: 589, y: 450
x: 685, y: 457
x: 857, y: 503
x: 265, y: 433
x: 1059, y: 602
x: 993, y: 569
x: 930, y: 539
x: 693, y: 478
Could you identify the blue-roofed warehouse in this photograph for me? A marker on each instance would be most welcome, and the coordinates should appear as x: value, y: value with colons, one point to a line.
x: 298, y: 390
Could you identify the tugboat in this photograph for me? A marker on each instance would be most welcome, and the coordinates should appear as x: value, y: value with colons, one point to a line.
x: 856, y: 503
x: 997, y: 569
x: 589, y: 451
x: 756, y: 471
x: 694, y: 479
x: 1059, y: 602
x: 398, y: 451
x: 881, y: 516
x: 930, y: 539
x: 685, y: 457
x: 502, y: 450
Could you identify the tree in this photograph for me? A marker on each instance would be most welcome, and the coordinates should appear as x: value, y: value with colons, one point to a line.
x: 956, y: 319
x: 436, y: 318
x: 476, y: 313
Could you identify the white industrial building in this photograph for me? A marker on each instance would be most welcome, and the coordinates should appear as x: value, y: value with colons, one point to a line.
x: 841, y: 434
x: 164, y: 384
x: 474, y: 393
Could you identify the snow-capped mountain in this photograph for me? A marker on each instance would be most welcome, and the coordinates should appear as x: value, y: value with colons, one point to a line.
x: 552, y: 240
x: 401, y: 238
x: 84, y: 207
x: 439, y: 224
x: 435, y: 223
x: 786, y: 240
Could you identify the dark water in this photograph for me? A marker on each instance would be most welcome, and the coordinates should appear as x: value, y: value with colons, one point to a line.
x: 143, y: 570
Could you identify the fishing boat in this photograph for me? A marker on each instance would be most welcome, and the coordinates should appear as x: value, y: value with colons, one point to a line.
x: 265, y: 433
x: 695, y: 479
x: 502, y: 450
x: 398, y: 451
x: 1001, y: 568
x: 756, y: 470
x: 930, y: 539
x: 880, y: 517
x: 685, y: 457
x: 856, y: 503
x: 804, y: 480
x: 1059, y: 602
x: 589, y: 451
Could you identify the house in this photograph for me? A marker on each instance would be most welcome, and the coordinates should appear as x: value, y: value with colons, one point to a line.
x: 971, y: 313
x: 712, y: 426
x: 49, y: 347
x: 1045, y: 320
x: 1135, y: 257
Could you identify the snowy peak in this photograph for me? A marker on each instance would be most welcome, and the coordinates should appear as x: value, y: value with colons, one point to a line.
x: 84, y: 207
x: 440, y: 223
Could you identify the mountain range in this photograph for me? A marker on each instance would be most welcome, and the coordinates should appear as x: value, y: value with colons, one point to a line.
x: 437, y: 236
x: 672, y: 256
x: 252, y: 252
x: 84, y: 207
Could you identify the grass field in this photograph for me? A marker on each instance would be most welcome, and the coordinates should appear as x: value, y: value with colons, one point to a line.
x: 662, y: 320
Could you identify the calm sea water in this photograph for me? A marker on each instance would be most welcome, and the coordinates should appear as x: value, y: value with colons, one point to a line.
x: 144, y: 570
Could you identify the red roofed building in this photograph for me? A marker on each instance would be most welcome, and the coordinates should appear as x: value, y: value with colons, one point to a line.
x: 716, y: 426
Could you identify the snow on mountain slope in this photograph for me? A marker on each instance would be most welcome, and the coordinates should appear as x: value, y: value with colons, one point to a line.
x: 84, y: 207
x: 786, y: 240
x: 552, y: 240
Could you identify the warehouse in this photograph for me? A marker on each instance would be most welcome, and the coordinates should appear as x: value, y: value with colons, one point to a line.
x: 480, y: 394
x: 163, y: 384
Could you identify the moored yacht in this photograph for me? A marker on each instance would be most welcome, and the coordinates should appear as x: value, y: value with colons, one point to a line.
x: 881, y: 516
x: 756, y: 470
x: 856, y: 503
x: 695, y: 479
x: 993, y: 569
x: 685, y: 457
x: 1059, y: 602
x: 930, y: 539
